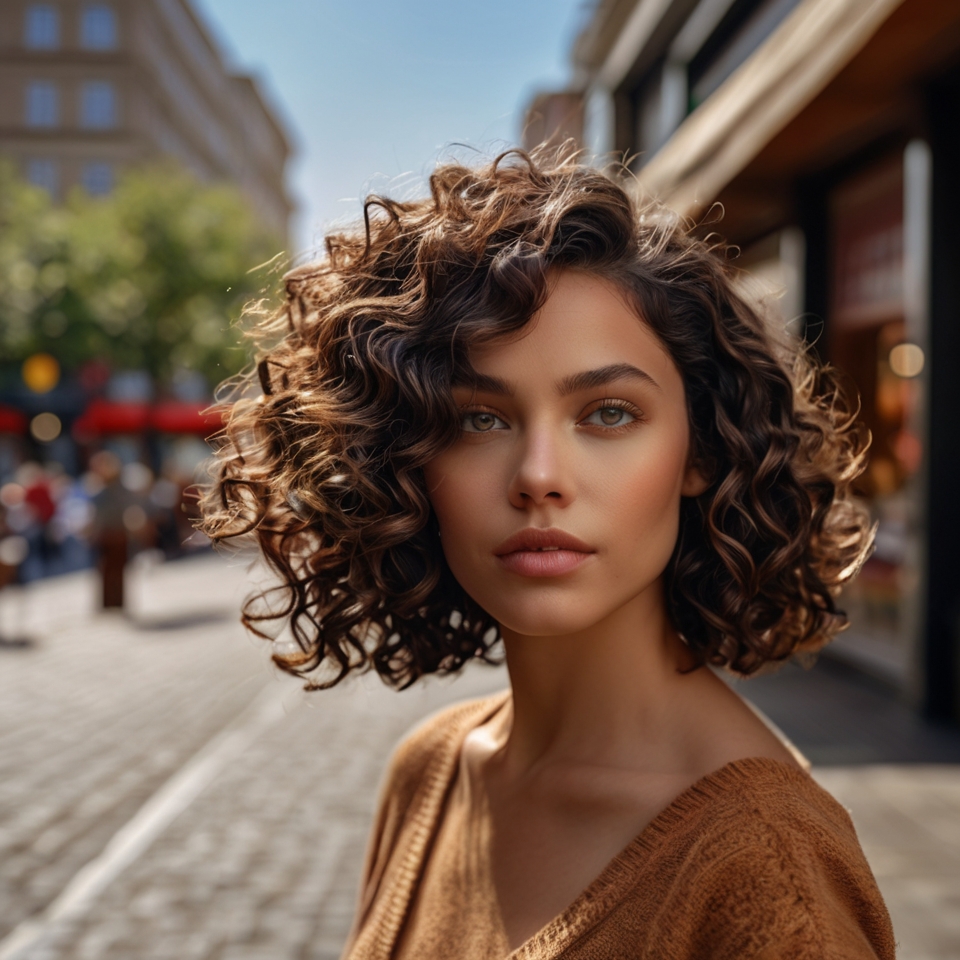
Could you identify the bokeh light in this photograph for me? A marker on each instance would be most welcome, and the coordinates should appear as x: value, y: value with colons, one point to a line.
x: 13, y: 551
x: 41, y: 372
x: 45, y: 427
x: 906, y: 360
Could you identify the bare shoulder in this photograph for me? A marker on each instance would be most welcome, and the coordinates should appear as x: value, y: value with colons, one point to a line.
x: 737, y: 730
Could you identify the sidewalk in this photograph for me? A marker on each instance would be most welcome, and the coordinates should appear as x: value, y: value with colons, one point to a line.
x: 226, y: 812
x: 104, y: 712
x: 838, y: 716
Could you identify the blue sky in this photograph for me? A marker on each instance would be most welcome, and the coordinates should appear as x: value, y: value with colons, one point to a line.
x: 375, y: 91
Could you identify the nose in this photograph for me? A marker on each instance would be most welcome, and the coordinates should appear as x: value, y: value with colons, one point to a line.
x: 543, y: 472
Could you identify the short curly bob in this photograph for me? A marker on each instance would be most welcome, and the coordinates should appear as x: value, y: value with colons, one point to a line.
x: 324, y: 470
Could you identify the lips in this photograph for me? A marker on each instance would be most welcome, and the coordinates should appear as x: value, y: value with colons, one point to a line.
x: 543, y: 553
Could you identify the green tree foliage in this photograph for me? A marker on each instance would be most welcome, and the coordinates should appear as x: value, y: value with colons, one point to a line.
x: 151, y: 277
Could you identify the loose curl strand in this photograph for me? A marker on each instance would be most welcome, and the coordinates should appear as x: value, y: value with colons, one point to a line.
x: 323, y: 470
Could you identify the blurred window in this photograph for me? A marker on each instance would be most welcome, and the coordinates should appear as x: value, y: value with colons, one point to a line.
x: 42, y: 27
x: 742, y: 30
x: 44, y: 173
x: 97, y: 178
x: 42, y: 104
x: 98, y: 27
x: 98, y: 105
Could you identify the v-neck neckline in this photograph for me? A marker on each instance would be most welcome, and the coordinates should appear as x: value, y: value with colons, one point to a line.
x: 598, y: 897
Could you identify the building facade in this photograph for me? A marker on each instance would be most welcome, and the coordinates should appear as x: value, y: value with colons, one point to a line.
x: 827, y: 130
x: 89, y: 88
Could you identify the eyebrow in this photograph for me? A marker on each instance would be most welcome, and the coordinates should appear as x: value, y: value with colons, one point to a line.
x: 602, y: 376
x: 586, y: 380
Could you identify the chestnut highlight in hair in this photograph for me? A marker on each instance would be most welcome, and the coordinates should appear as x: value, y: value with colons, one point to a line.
x: 324, y: 470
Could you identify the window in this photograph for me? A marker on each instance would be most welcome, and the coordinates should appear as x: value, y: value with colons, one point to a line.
x: 42, y: 27
x: 97, y: 178
x: 98, y: 27
x: 44, y: 173
x: 43, y: 104
x: 98, y: 105
x: 659, y: 107
x: 745, y: 27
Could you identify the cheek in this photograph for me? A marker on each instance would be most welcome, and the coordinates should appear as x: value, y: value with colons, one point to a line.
x: 444, y: 488
x: 652, y: 484
x: 463, y: 483
x: 641, y: 498
x: 456, y: 494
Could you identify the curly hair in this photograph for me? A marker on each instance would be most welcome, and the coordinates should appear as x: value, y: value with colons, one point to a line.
x: 324, y: 470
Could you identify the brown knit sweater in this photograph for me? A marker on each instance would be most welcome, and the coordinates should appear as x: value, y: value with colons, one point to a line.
x: 753, y: 861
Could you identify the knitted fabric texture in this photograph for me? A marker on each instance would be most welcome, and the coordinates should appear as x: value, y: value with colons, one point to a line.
x: 754, y: 860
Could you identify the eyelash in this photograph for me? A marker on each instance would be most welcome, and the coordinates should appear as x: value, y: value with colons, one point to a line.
x: 466, y: 412
x: 612, y: 404
x: 608, y: 404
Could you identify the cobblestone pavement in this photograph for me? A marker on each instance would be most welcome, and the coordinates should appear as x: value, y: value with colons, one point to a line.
x: 97, y: 714
x: 276, y: 788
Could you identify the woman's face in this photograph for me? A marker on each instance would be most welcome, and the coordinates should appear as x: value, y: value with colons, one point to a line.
x: 559, y: 504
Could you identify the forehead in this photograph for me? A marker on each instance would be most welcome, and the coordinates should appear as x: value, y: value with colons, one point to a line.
x: 586, y: 322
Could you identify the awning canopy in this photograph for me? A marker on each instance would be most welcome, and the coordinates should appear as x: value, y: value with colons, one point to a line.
x: 835, y: 74
x: 106, y: 417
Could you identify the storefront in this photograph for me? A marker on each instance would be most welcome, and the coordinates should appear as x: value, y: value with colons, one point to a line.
x: 832, y: 145
x: 877, y: 334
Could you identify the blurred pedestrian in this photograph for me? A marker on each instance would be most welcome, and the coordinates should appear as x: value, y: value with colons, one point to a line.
x: 14, y: 549
x: 68, y: 527
x: 29, y: 508
x: 108, y: 532
x: 38, y: 496
x: 166, y: 499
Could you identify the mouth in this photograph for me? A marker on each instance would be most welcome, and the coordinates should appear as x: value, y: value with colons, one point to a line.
x: 547, y: 552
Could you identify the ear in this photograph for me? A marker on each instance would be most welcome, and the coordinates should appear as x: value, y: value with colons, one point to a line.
x: 694, y: 482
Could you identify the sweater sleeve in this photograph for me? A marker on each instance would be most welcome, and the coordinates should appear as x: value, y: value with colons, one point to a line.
x: 797, y: 887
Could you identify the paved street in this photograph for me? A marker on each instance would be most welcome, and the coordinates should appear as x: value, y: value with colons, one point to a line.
x: 165, y: 794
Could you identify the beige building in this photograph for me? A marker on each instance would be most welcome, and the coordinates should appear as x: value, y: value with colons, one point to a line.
x: 88, y: 88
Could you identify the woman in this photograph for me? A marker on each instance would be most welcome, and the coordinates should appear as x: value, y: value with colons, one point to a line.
x: 526, y: 410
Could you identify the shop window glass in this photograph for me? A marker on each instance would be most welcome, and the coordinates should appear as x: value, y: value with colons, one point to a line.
x: 97, y: 178
x: 44, y: 173
x: 868, y: 340
x: 42, y: 27
x: 42, y: 104
x: 98, y: 27
x: 98, y: 105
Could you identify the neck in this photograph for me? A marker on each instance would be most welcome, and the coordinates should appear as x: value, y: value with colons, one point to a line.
x: 609, y: 695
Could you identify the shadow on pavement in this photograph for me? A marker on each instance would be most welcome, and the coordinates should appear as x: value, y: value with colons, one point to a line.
x: 16, y: 643
x: 183, y: 621
x: 838, y: 716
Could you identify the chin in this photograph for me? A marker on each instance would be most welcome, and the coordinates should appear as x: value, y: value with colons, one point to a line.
x: 546, y: 617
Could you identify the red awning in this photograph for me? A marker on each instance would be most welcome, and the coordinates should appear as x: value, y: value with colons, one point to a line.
x: 173, y: 416
x: 106, y: 417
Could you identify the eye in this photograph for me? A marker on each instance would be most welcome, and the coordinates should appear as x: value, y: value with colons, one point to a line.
x: 481, y: 421
x: 609, y: 416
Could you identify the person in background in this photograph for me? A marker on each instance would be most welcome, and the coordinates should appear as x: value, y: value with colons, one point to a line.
x: 108, y: 531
